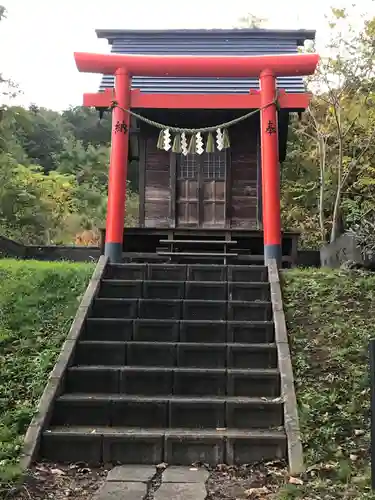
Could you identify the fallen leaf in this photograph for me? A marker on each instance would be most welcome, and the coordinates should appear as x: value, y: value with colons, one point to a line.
x: 41, y: 468
x: 295, y: 480
x: 254, y: 492
x: 58, y: 472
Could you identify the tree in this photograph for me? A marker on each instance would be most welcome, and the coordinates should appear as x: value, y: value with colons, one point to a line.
x: 88, y: 127
x: 43, y: 137
x: 334, y: 141
x: 33, y: 205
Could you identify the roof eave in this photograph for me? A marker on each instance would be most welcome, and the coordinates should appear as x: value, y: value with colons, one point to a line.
x: 299, y: 35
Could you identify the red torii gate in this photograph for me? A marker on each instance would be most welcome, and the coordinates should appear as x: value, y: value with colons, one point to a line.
x: 267, y: 68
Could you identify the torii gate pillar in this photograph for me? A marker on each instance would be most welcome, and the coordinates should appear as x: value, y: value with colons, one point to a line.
x: 118, y: 168
x: 270, y: 169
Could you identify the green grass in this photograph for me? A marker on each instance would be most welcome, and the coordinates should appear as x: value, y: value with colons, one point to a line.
x: 331, y: 317
x: 38, y: 301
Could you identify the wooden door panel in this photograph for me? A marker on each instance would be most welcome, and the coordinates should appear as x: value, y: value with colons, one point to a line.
x: 214, y: 190
x: 187, y: 203
x: 213, y: 214
x: 187, y: 214
x: 200, y: 190
x: 213, y: 203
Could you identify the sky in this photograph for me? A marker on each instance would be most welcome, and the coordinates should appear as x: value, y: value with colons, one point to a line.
x: 39, y: 37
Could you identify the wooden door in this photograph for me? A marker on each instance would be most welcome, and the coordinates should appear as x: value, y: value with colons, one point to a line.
x: 214, y: 182
x: 200, y: 190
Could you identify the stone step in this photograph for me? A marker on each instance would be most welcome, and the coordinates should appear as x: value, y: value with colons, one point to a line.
x: 98, y: 445
x: 198, y: 255
x: 180, y: 354
x: 189, y: 272
x: 182, y: 309
x: 194, y: 242
x: 120, y: 329
x: 119, y: 410
x: 196, y: 290
x: 157, y: 381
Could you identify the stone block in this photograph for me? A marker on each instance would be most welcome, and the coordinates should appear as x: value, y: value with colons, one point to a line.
x: 131, y: 473
x: 180, y: 491
x: 185, y: 475
x: 120, y: 490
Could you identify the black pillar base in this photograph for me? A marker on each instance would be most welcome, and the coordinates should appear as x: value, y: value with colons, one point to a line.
x: 113, y: 251
x: 272, y: 252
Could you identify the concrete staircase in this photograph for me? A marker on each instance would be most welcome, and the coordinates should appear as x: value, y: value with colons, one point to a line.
x: 177, y: 363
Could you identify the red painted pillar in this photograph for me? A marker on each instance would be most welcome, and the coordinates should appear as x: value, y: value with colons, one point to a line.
x: 270, y: 169
x: 118, y: 168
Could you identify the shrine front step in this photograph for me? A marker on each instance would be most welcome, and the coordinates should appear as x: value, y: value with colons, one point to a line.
x: 187, y: 272
x: 176, y: 354
x: 121, y: 410
x: 151, y: 381
x: 96, y: 445
x: 179, y: 309
x: 190, y: 290
x: 188, y: 331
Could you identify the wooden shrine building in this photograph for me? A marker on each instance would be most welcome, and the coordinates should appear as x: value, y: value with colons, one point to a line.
x: 242, y: 84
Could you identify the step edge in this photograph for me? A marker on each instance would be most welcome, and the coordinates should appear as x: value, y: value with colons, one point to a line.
x: 190, y: 301
x: 194, y: 345
x: 169, y: 282
x: 113, y: 432
x: 253, y: 371
x: 93, y: 319
x: 145, y: 265
x: 73, y: 397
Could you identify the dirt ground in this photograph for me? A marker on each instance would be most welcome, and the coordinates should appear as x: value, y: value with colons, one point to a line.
x: 58, y: 482
x: 251, y: 482
x: 79, y: 482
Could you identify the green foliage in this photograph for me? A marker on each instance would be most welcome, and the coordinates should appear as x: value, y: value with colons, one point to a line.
x: 33, y: 206
x: 87, y: 127
x: 330, y: 321
x: 328, y: 177
x: 54, y: 175
x: 37, y: 303
x: 42, y: 137
x: 364, y: 232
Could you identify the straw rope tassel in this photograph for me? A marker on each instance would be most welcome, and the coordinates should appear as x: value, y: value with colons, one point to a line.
x: 226, y: 141
x: 210, y: 146
x: 191, y: 149
x: 176, y: 148
x: 160, y: 143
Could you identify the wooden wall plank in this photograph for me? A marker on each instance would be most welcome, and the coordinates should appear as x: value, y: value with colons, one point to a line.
x: 244, y: 175
x: 141, y: 180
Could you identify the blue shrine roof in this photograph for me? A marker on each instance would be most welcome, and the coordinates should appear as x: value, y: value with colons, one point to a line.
x: 205, y: 42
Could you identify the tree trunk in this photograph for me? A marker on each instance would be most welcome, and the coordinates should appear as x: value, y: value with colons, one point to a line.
x: 337, y: 204
x: 322, y: 164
